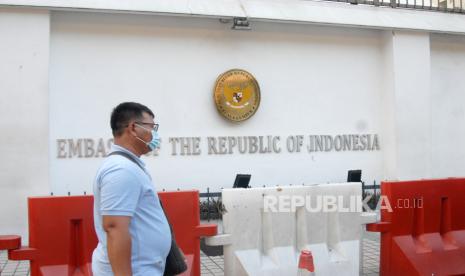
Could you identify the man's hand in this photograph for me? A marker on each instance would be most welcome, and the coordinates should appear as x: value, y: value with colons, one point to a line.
x: 118, y: 244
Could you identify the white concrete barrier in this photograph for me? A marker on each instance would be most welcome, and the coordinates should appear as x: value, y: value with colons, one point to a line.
x: 265, y: 229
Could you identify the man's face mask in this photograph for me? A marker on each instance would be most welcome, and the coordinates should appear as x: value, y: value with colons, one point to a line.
x: 155, y: 142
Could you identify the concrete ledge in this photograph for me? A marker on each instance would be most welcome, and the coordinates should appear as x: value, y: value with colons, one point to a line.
x: 291, y: 11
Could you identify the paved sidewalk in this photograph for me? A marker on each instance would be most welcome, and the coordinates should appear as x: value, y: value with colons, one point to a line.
x: 370, y: 259
x: 10, y: 268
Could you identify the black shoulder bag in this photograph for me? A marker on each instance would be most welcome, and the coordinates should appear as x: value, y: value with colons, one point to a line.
x: 175, y: 261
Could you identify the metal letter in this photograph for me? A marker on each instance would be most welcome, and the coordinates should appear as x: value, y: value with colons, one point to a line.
x: 101, y: 149
x: 232, y: 142
x: 89, y: 145
x: 276, y: 147
x: 347, y: 142
x: 196, y: 146
x: 242, y: 142
x: 222, y: 145
x: 311, y: 143
x: 363, y: 142
x: 291, y: 143
x: 355, y: 142
x: 75, y: 149
x: 328, y: 142
x: 253, y: 147
x: 61, y: 153
x: 299, y: 142
x: 375, y: 142
x: 173, y: 141
x: 109, y: 143
x: 262, y: 148
x: 338, y: 143
x: 212, y: 145
x: 319, y: 142
x: 185, y: 143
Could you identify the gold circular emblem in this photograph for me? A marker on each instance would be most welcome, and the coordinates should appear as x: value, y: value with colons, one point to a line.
x: 237, y: 95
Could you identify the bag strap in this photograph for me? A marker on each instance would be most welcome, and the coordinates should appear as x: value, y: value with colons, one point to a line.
x: 128, y: 156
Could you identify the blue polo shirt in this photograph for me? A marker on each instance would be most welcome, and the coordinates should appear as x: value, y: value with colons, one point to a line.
x: 121, y: 188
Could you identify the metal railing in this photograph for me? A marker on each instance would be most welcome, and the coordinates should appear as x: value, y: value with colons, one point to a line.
x: 374, y: 191
x: 454, y: 6
x: 210, y: 205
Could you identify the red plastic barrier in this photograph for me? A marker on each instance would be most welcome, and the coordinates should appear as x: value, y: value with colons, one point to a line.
x: 183, y: 211
x: 10, y: 242
x: 62, y: 236
x: 425, y: 233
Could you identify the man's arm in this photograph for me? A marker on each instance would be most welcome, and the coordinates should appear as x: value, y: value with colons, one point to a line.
x: 118, y: 244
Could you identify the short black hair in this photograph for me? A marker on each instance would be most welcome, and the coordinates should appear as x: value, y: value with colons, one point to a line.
x: 124, y: 113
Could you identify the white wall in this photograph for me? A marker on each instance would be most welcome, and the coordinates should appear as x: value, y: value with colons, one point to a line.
x: 62, y: 76
x: 448, y: 105
x: 407, y: 105
x: 24, y: 123
x: 314, y: 80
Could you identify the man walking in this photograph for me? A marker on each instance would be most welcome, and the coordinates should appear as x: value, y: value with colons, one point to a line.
x: 133, y: 233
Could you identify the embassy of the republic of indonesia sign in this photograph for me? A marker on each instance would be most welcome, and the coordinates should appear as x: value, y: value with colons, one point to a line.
x: 237, y: 98
x: 219, y: 145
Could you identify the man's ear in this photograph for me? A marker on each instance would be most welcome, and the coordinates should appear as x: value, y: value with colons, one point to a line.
x: 131, y: 128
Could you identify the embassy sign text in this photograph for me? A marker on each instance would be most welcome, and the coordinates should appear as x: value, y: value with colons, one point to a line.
x: 223, y: 145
